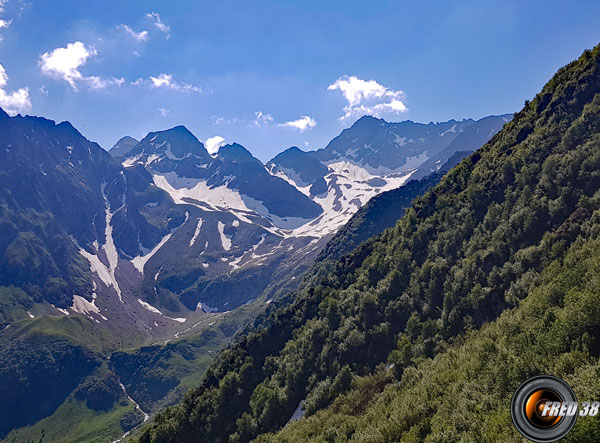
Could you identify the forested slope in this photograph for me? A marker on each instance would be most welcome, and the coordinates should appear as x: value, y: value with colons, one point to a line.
x: 491, y: 236
x: 464, y: 393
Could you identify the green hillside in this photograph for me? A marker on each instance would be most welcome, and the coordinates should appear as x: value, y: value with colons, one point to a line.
x: 510, y: 232
x: 68, y: 379
x: 464, y: 393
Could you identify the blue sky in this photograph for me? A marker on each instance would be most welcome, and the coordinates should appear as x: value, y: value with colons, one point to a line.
x: 272, y: 74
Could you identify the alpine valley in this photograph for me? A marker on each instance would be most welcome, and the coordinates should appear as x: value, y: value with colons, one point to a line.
x: 424, y: 332
x: 123, y: 273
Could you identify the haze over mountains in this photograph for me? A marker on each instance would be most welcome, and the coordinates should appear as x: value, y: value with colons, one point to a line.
x: 157, y: 240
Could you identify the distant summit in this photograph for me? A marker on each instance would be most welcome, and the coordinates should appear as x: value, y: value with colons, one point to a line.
x: 236, y: 153
x: 123, y: 147
x: 302, y: 167
x: 173, y: 144
x: 381, y: 147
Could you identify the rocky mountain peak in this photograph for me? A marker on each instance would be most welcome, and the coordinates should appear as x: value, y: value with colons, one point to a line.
x: 175, y: 143
x: 123, y: 146
x: 300, y: 166
x: 368, y: 121
x: 236, y: 153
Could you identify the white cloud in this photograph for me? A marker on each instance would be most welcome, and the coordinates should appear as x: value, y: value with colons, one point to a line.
x: 368, y: 97
x: 166, y: 81
x: 262, y: 119
x: 163, y: 80
x: 302, y: 124
x: 64, y: 63
x: 141, y: 36
x: 259, y: 120
x: 218, y: 120
x: 14, y: 102
x: 355, y: 90
x: 154, y: 17
x: 163, y: 111
x: 4, y: 24
x: 213, y: 144
x: 96, y: 82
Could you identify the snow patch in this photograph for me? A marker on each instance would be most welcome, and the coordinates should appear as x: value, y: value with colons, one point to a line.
x: 111, y: 253
x: 151, y: 158
x: 292, y: 178
x: 168, y: 153
x: 289, y: 175
x: 288, y: 223
x: 451, y: 130
x: 348, y: 184
x: 260, y: 242
x: 225, y: 239
x: 140, y: 261
x: 100, y: 269
x: 61, y: 310
x: 106, y: 273
x: 198, y: 228
x: 216, y: 198
x: 400, y: 141
x: 131, y: 161
x: 84, y: 307
x: 149, y: 307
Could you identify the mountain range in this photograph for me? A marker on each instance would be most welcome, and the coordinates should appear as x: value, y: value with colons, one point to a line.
x: 165, y: 223
x: 158, y: 243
